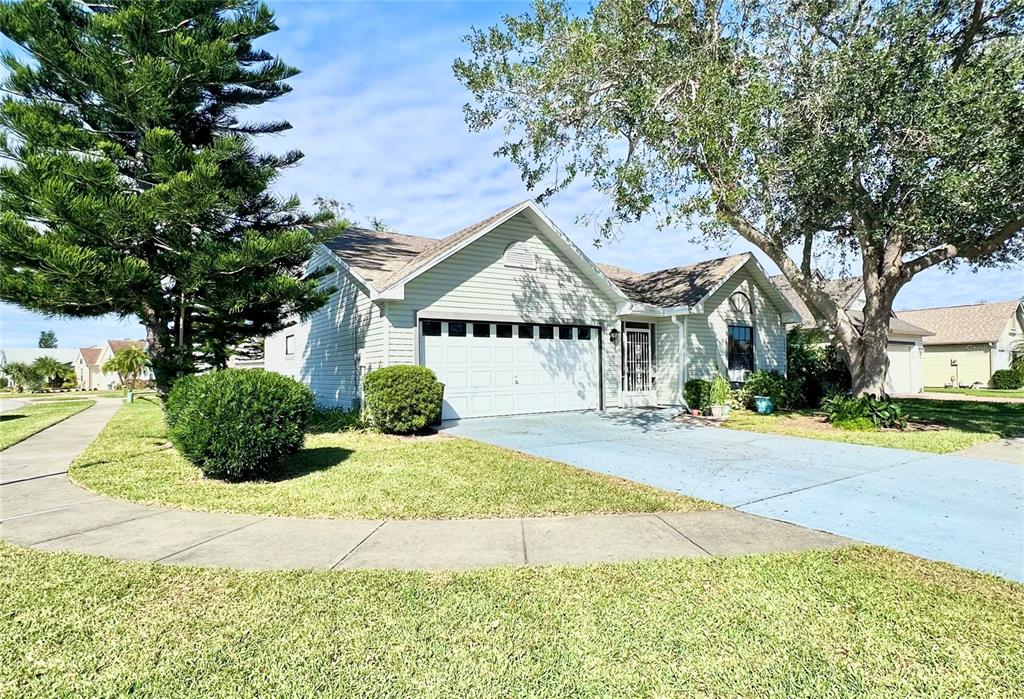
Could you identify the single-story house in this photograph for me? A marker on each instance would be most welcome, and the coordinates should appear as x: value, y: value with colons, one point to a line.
x: 89, y: 361
x: 28, y: 355
x: 968, y: 343
x: 514, y: 318
x: 905, y: 347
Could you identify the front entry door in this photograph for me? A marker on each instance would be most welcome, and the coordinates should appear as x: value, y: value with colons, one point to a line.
x: 638, y: 367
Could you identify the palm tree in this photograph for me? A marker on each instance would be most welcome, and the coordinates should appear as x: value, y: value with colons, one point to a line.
x: 51, y: 371
x: 23, y: 375
x: 128, y: 364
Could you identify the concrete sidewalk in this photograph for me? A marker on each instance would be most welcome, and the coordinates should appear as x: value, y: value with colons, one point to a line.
x: 40, y: 507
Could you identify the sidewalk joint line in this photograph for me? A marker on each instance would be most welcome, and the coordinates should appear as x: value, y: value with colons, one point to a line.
x: 522, y: 537
x: 52, y: 509
x: 360, y: 543
x: 86, y: 531
x: 212, y: 538
x: 34, y: 478
x: 670, y: 526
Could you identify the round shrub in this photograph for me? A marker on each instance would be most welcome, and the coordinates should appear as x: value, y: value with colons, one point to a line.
x: 178, y: 398
x: 1006, y: 380
x: 238, y: 424
x: 403, y: 398
x: 767, y: 383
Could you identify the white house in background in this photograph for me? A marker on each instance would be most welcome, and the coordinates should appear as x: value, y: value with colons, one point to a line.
x: 514, y: 318
x: 27, y: 355
x: 88, y: 364
x: 968, y: 343
x: 905, y: 346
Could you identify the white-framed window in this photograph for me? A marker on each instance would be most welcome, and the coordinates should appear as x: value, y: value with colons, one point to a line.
x: 289, y: 345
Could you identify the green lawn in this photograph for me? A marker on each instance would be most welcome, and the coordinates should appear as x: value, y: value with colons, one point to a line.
x: 851, y: 622
x: 21, y: 423
x: 953, y: 425
x: 982, y: 392
x: 68, y: 395
x: 361, y: 475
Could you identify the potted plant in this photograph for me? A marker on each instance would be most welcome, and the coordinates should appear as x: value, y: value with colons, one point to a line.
x: 764, y: 404
x: 721, y: 392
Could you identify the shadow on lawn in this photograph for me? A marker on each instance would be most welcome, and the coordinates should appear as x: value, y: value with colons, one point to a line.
x: 311, y: 460
x: 1003, y: 419
x: 6, y: 417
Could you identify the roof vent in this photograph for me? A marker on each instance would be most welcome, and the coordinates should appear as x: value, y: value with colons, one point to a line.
x: 520, y: 255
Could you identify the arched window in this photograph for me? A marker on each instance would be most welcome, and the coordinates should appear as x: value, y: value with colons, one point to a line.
x: 740, y: 303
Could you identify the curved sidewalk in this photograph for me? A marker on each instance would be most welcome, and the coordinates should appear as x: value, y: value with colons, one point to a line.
x: 41, y: 508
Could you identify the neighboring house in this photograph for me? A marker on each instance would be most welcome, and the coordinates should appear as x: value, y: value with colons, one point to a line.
x: 968, y: 343
x: 27, y: 355
x: 905, y: 347
x: 514, y: 318
x: 89, y: 361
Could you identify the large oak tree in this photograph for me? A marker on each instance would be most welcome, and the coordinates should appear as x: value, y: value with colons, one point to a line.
x: 890, y: 132
x: 129, y: 184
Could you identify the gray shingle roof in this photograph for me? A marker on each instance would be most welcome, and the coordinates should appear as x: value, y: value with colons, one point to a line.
x: 843, y: 291
x: 953, y: 325
x: 383, y: 257
x: 676, y: 286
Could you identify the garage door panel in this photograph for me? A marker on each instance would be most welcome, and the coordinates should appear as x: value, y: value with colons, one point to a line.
x: 504, y: 376
x: 899, y: 377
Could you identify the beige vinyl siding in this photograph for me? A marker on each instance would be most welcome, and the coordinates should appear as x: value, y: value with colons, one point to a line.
x: 336, y: 344
x: 973, y: 364
x: 708, y: 334
x: 475, y: 282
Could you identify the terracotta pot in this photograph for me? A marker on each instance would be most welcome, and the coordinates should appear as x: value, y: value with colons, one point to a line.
x: 695, y: 412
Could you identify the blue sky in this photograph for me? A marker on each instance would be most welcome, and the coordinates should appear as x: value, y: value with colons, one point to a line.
x: 379, y: 116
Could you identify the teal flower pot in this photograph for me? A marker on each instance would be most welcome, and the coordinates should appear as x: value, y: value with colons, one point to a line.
x: 764, y: 404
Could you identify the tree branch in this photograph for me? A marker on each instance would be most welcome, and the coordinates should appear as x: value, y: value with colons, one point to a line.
x: 949, y: 251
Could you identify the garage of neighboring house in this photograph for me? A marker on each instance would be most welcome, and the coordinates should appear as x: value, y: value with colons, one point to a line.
x: 906, y: 340
x: 900, y: 378
x: 512, y: 368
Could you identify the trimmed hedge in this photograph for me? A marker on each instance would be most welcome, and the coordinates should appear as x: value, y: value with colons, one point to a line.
x: 238, y: 424
x: 402, y: 399
x: 1006, y: 380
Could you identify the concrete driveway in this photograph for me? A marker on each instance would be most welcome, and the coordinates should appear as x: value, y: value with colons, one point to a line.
x: 967, y: 511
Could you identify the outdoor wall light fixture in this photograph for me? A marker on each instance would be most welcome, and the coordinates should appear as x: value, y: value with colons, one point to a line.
x: 614, y: 336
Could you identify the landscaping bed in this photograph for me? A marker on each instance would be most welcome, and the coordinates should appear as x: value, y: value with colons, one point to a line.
x: 850, y: 622
x: 933, y: 425
x: 18, y: 424
x: 361, y: 474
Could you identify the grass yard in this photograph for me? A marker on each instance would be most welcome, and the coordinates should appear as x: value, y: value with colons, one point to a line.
x: 18, y: 424
x: 980, y: 392
x: 67, y: 395
x: 360, y: 474
x: 850, y: 622
x: 943, y: 426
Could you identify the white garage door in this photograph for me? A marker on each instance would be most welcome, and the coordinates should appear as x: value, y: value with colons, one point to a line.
x: 898, y: 380
x: 510, y: 369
